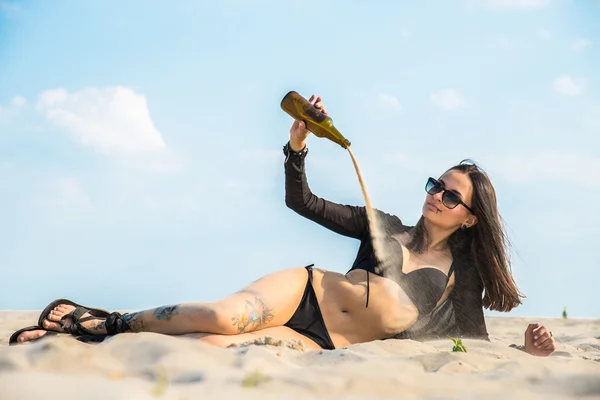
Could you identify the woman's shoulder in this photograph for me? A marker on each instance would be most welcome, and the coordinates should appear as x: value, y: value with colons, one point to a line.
x: 390, y: 223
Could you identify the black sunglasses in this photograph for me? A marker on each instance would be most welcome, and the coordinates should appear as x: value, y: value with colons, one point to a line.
x: 450, y: 199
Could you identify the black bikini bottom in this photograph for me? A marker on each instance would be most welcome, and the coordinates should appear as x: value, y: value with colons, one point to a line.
x: 308, y: 320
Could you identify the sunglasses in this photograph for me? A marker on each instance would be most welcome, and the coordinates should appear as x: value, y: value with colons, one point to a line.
x: 450, y: 199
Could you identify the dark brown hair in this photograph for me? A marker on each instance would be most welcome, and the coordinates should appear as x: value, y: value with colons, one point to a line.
x: 485, y: 244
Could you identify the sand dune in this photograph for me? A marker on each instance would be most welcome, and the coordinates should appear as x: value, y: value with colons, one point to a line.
x: 151, y: 366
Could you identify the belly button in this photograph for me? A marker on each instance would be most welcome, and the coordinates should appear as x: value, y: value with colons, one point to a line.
x: 344, y: 310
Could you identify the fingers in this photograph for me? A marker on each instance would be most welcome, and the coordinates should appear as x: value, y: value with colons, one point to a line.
x: 319, y: 106
x: 543, y: 339
x: 540, y: 338
x: 549, y: 345
x: 317, y: 101
x: 540, y: 331
x: 531, y: 328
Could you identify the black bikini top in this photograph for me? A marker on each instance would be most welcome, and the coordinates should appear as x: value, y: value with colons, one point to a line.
x: 424, y: 286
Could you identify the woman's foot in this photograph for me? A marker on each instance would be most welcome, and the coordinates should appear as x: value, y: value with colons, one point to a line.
x: 96, y: 326
x: 28, y: 336
x: 52, y: 323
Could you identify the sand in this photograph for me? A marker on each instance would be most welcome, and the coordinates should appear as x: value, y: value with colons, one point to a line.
x: 151, y: 366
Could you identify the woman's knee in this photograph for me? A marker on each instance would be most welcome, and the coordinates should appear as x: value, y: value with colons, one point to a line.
x: 223, y: 319
x: 204, y: 318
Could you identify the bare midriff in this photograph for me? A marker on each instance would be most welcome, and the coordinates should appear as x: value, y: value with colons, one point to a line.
x: 342, y: 299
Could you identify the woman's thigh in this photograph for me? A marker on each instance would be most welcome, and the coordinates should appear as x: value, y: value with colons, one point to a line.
x: 268, y: 302
x: 275, y: 333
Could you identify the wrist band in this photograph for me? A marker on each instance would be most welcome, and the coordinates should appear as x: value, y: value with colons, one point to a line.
x: 287, y: 151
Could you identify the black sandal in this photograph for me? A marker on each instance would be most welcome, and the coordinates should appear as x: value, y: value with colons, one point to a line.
x: 76, y: 315
x: 14, y: 337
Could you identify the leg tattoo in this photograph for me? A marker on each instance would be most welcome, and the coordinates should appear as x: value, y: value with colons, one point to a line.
x: 98, y: 326
x: 166, y: 312
x: 135, y: 321
x: 255, y: 315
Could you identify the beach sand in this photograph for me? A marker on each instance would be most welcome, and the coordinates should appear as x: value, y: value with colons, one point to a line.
x: 151, y: 366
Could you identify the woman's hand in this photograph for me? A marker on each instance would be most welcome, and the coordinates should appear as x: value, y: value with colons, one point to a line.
x: 539, y: 341
x: 298, y: 131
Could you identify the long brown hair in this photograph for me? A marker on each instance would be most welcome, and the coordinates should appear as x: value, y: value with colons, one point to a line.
x: 485, y: 243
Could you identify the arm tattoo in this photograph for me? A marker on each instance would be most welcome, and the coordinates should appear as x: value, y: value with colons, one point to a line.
x: 255, y: 316
x: 166, y: 312
x: 135, y: 321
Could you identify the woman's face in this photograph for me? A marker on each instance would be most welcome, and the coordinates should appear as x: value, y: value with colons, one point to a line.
x: 439, y: 214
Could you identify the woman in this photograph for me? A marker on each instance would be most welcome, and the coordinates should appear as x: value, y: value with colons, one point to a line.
x: 430, y: 285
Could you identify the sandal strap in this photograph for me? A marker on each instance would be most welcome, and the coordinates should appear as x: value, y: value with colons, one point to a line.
x: 116, y: 324
x: 78, y: 312
x: 76, y: 316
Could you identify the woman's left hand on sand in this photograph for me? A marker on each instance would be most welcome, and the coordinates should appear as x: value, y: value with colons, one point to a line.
x: 539, y: 340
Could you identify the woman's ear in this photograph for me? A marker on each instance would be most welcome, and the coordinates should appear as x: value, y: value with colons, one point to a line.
x: 472, y: 220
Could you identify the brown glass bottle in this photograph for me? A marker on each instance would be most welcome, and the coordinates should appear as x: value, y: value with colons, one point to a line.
x: 318, y: 123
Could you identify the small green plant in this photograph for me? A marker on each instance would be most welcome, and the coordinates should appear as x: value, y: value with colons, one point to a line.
x: 564, y: 314
x: 458, y: 345
x: 161, y: 382
x: 254, y: 379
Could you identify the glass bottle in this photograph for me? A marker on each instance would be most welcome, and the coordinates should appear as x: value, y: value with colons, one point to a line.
x: 318, y: 123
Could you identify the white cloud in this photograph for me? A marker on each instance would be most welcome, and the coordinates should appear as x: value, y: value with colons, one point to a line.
x: 111, y: 120
x: 514, y: 4
x: 543, y: 34
x: 389, y: 101
x: 580, y: 44
x: 18, y: 101
x: 569, y: 86
x: 51, y: 97
x: 447, y: 99
x: 558, y: 166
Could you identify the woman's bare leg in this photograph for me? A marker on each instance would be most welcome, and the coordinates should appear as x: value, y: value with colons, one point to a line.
x: 277, y: 333
x: 268, y: 302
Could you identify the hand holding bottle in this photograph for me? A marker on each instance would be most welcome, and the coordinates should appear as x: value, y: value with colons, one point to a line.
x: 298, y: 131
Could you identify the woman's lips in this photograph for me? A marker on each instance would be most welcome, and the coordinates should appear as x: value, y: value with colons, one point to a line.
x: 433, y: 208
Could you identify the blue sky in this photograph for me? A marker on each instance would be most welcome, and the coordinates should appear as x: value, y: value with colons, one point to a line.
x: 140, y: 141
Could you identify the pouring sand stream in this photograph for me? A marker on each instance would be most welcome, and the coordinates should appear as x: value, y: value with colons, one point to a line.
x: 376, y: 233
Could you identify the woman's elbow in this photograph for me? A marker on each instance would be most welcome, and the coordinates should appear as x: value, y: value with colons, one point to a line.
x: 292, y: 203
